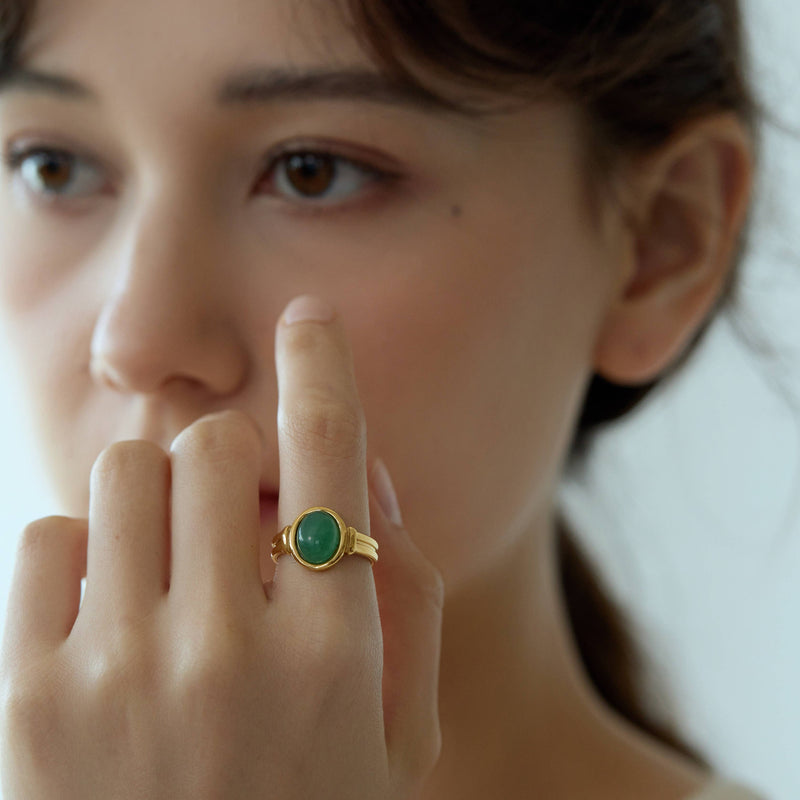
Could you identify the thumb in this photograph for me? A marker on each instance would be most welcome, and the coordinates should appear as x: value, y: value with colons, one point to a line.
x: 410, y: 599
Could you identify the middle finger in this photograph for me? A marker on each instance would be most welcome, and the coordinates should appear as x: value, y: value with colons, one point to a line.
x: 216, y: 464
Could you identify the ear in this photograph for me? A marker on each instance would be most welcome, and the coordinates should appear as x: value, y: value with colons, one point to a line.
x: 690, y: 202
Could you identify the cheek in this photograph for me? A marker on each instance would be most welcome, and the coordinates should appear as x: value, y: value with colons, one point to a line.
x: 49, y: 289
x: 47, y: 328
x: 44, y: 304
x: 471, y: 371
x: 40, y: 250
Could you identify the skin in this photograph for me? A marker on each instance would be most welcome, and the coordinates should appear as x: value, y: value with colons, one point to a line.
x: 474, y: 296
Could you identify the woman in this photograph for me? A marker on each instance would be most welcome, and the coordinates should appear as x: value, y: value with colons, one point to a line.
x: 472, y: 233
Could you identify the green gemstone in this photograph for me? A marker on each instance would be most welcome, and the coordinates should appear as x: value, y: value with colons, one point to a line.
x: 317, y: 537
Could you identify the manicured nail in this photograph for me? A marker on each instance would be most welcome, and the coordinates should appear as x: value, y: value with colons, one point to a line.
x: 384, y: 492
x: 307, y: 308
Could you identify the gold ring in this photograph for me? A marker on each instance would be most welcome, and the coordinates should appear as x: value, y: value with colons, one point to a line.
x: 319, y: 538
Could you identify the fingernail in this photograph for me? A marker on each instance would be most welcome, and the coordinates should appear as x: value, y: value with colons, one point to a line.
x: 307, y: 308
x: 384, y: 492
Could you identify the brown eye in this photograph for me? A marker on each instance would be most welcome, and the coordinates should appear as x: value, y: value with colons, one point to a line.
x: 319, y: 178
x: 309, y: 174
x: 55, y: 173
x: 52, y: 171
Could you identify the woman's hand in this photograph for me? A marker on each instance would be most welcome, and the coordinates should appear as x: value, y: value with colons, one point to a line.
x: 181, y: 675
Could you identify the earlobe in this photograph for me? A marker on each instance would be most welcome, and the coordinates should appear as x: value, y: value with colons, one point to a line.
x: 692, y: 200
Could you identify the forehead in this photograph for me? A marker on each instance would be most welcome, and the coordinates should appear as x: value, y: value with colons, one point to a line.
x: 157, y: 43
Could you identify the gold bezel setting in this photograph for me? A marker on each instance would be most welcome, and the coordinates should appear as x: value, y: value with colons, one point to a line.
x: 351, y: 542
x: 340, y: 550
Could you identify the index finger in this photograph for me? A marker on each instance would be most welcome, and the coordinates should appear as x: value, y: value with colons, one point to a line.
x: 322, y: 446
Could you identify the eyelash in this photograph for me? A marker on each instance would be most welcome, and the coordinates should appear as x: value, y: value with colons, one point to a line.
x: 377, y: 178
x: 14, y: 158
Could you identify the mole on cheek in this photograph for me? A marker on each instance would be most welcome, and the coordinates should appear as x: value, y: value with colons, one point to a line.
x: 455, y: 211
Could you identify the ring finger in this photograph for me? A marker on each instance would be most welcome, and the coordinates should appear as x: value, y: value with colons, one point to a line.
x: 322, y: 446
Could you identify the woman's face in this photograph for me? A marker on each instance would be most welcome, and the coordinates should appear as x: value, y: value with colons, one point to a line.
x: 144, y: 264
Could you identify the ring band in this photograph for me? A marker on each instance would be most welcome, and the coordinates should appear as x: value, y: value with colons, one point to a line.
x: 319, y: 538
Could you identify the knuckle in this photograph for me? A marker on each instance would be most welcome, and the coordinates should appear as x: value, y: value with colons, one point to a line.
x: 209, y: 681
x: 25, y: 718
x: 326, y: 426
x: 126, y: 456
x: 430, y: 586
x: 118, y: 685
x: 326, y: 647
x: 29, y: 713
x: 225, y: 436
x: 36, y: 536
x: 124, y: 667
x: 213, y: 663
x: 425, y: 585
x: 40, y: 535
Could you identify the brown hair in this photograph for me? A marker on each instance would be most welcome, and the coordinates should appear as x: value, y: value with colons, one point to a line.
x: 639, y: 70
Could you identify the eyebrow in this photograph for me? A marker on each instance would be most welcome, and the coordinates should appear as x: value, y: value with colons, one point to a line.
x: 264, y: 86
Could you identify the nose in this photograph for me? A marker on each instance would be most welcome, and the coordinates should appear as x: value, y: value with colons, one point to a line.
x: 166, y: 315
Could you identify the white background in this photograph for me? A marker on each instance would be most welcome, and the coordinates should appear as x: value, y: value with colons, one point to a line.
x: 691, y: 506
